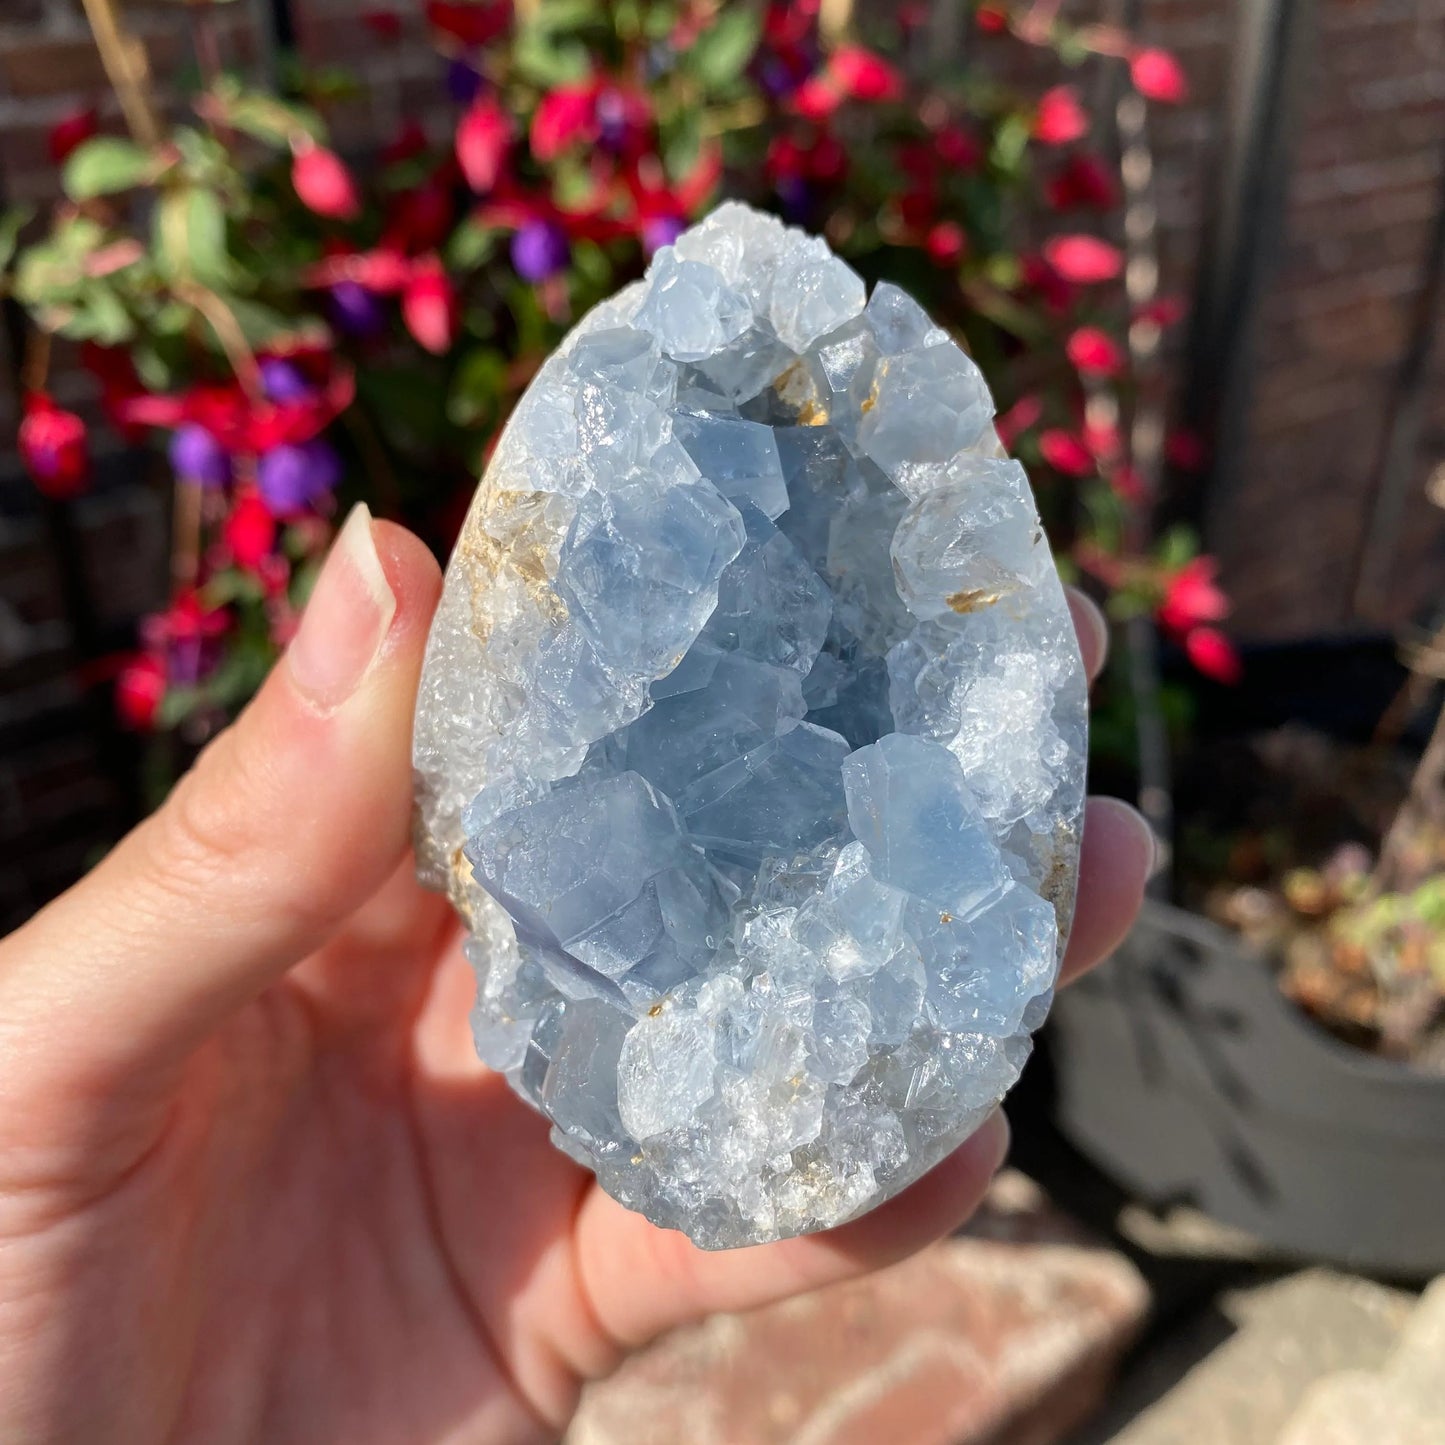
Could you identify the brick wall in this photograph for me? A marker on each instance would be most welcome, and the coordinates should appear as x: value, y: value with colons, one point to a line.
x: 1360, y: 202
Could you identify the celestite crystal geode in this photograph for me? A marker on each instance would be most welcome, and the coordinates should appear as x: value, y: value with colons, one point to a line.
x: 751, y: 742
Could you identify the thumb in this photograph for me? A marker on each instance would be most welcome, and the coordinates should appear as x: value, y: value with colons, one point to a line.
x: 289, y: 820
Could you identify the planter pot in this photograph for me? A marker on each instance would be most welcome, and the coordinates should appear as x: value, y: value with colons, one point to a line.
x: 1185, y: 1076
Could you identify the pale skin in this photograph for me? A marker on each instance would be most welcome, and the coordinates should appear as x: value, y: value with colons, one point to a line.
x: 254, y: 1184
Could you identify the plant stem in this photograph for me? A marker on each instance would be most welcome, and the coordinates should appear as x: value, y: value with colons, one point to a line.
x: 1424, y: 805
x: 126, y: 67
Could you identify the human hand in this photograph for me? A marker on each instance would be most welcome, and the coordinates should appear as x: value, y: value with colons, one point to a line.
x: 254, y: 1183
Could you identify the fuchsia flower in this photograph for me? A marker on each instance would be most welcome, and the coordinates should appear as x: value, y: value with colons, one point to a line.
x: 323, y: 183
x: 946, y: 243
x: 54, y: 448
x: 242, y: 424
x: 140, y: 688
x: 1084, y: 260
x: 851, y: 73
x: 1095, y: 353
x: 1022, y: 415
x: 1060, y: 117
x: 70, y: 131
x: 1084, y: 184
x: 249, y: 531
x: 1192, y: 597
x: 540, y: 250
x: 1066, y: 453
x: 1157, y: 75
x: 470, y: 23
x: 1214, y: 655
x: 483, y: 139
x: 567, y: 116
x: 197, y: 458
x: 429, y: 306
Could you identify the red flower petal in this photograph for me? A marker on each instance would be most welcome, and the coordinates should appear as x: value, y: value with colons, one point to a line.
x: 1060, y: 117
x: 1214, y: 655
x: 324, y: 184
x: 1192, y: 597
x: 472, y: 24
x: 1158, y: 76
x: 140, y: 688
x: 862, y: 75
x: 1085, y: 183
x: 70, y: 130
x: 249, y: 531
x: 54, y: 448
x: 567, y: 116
x: 483, y: 136
x: 1085, y: 260
x: 1066, y: 453
x: 1023, y: 414
x: 1094, y: 352
x: 429, y: 307
x: 946, y: 243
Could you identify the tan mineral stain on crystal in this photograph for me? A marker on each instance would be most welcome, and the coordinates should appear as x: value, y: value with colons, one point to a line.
x: 509, y: 532
x: 1060, y: 881
x: 797, y: 388
x: 973, y: 599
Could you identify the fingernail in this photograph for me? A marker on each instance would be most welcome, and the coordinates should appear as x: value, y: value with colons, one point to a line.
x: 346, y: 620
x: 1000, y: 1136
x: 1158, y: 856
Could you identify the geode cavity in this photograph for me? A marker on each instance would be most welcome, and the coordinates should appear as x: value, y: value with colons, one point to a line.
x: 751, y: 742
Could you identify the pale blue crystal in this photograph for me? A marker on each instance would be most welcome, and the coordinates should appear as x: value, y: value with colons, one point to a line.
x: 750, y: 742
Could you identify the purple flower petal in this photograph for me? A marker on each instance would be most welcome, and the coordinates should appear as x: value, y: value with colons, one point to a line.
x: 197, y: 457
x: 539, y: 250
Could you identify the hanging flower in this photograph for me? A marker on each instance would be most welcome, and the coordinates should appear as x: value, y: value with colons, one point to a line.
x: 464, y: 80
x: 852, y: 73
x: 282, y: 380
x: 1022, y: 415
x: 1094, y: 353
x: 862, y: 75
x: 355, y: 311
x: 1185, y: 449
x: 946, y: 243
x: 1084, y: 184
x: 483, y: 138
x: 991, y: 17
x: 960, y: 150
x: 1214, y: 655
x: 243, y: 424
x: 54, y: 448
x: 1060, y: 117
x: 70, y: 131
x: 296, y: 475
x: 197, y: 458
x: 384, y: 24
x: 140, y: 688
x: 1084, y: 260
x: 323, y: 183
x: 249, y: 531
x: 420, y: 219
x: 1066, y: 453
x: 429, y: 306
x: 472, y: 24
x: 567, y: 116
x: 540, y: 250
x: 1192, y: 597
x: 1157, y: 75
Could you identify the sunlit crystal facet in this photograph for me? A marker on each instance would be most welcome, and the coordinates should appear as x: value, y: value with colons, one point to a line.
x: 750, y: 742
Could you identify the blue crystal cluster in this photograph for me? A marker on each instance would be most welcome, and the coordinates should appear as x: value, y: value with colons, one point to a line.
x: 750, y: 742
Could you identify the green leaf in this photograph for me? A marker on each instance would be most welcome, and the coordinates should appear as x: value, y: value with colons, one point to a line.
x: 12, y: 222
x: 722, y: 52
x: 1176, y: 547
x: 103, y: 165
x: 547, y: 62
x: 259, y: 324
x: 477, y: 386
x: 565, y: 14
x: 471, y: 246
